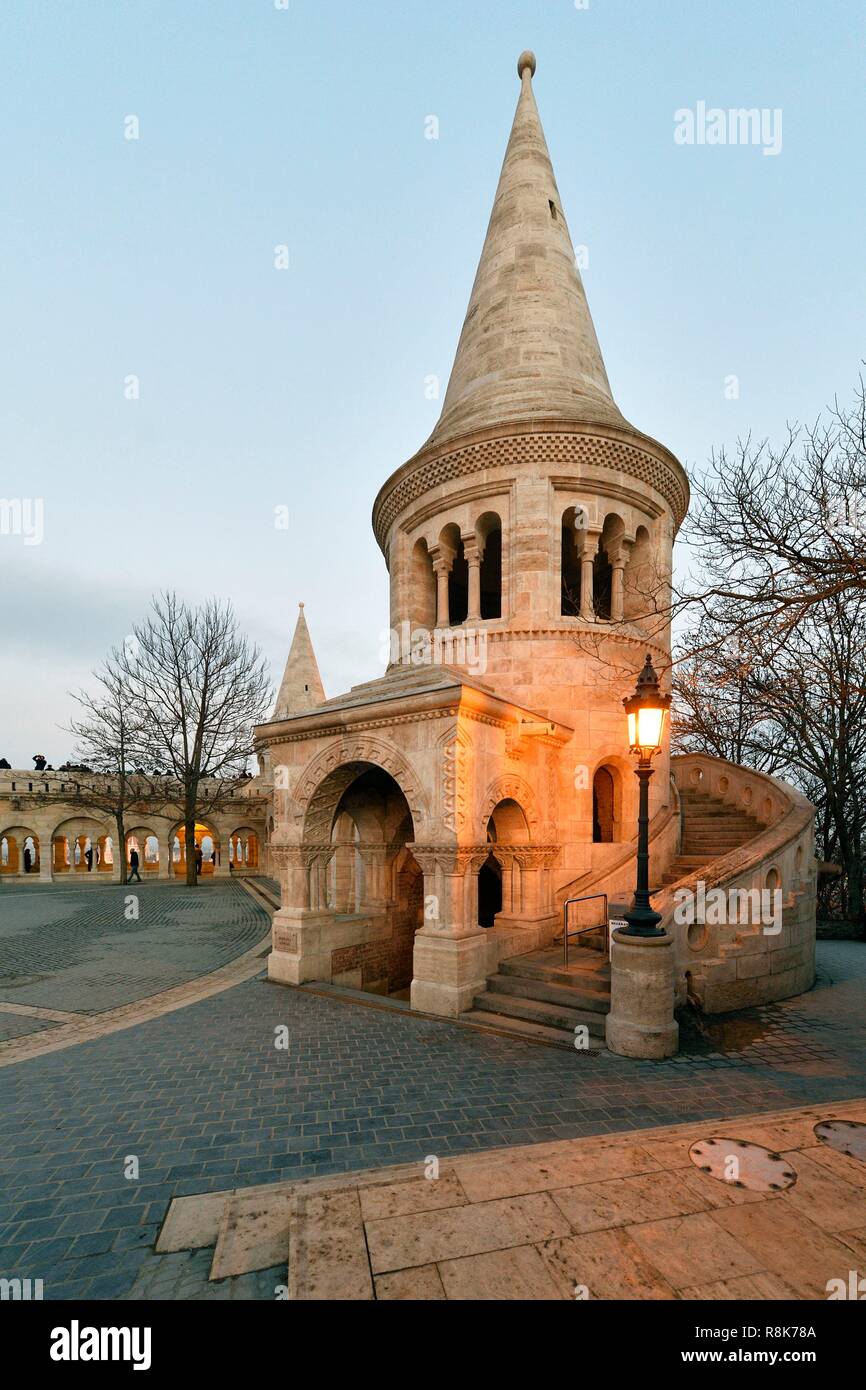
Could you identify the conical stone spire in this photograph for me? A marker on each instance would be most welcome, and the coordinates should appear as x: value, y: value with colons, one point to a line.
x: 301, y: 687
x: 528, y: 349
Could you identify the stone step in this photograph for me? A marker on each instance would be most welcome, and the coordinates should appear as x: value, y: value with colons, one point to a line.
x: 536, y: 1032
x: 693, y: 849
x: 742, y: 823
x: 523, y: 987
x: 593, y: 973
x: 714, y: 836
x: 534, y: 1011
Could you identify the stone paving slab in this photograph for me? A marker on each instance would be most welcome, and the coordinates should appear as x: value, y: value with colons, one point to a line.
x: 650, y: 1236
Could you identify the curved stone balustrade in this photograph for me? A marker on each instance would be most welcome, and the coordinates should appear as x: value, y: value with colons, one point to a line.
x: 725, y: 959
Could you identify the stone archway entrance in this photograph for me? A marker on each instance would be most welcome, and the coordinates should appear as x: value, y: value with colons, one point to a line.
x: 500, y: 883
x: 353, y: 894
x: 372, y: 882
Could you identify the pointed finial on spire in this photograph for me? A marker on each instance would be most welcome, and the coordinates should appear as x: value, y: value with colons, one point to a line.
x: 300, y: 605
x: 526, y: 60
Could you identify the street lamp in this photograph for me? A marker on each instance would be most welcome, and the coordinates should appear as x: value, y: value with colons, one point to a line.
x: 646, y: 711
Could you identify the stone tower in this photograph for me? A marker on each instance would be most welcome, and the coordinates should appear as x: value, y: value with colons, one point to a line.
x: 535, y: 514
x: 433, y: 820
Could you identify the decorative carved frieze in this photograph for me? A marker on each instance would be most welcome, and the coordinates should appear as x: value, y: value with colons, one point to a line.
x: 553, y: 449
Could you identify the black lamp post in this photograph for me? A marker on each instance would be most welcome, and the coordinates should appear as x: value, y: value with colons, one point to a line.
x: 646, y: 711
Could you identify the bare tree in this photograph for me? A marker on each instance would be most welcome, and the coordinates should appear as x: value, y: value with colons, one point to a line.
x: 777, y: 532
x: 718, y: 706
x: 796, y: 708
x: 198, y: 686
x: 105, y: 735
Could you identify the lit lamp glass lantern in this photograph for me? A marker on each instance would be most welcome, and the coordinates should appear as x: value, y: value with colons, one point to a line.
x: 646, y: 711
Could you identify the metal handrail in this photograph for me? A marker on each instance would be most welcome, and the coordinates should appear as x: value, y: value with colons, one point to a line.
x: 590, y: 897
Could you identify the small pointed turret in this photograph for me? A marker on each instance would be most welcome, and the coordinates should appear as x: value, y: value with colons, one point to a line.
x: 301, y: 687
x: 528, y: 349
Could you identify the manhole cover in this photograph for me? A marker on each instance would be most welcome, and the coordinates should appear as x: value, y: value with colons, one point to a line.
x: 846, y: 1136
x: 742, y: 1164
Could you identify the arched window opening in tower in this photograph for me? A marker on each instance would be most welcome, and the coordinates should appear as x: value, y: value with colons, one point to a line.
x: 489, y: 533
x: 451, y: 545
x: 422, y: 588
x: 602, y: 583
x: 570, y: 568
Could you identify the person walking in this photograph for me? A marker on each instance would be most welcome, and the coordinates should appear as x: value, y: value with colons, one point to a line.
x: 198, y: 859
x: 133, y: 866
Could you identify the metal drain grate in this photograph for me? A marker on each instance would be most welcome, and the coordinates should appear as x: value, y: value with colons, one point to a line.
x: 845, y: 1136
x: 739, y: 1163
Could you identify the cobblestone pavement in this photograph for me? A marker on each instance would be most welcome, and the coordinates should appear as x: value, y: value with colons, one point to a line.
x: 205, y: 1101
x: 78, y: 948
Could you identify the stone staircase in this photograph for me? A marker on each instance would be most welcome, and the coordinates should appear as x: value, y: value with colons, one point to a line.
x: 710, y: 829
x: 536, y: 996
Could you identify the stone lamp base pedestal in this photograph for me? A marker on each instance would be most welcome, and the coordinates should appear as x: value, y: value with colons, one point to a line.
x: 641, y: 1021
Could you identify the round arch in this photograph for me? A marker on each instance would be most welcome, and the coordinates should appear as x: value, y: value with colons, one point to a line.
x: 145, y: 842
x: 517, y: 793
x: 322, y: 783
x: 607, y: 800
x: 243, y: 849
x: 75, y: 844
x: 207, y: 844
x: 19, y: 850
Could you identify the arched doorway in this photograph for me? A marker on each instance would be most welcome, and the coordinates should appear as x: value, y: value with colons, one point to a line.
x: 366, y: 877
x: 500, y: 883
x: 604, y: 809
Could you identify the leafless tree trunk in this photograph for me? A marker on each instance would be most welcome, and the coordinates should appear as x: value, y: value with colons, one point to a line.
x: 198, y: 687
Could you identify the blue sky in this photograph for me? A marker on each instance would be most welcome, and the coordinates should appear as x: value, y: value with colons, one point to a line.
x: 260, y: 388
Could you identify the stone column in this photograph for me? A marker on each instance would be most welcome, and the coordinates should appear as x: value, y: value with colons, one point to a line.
x: 641, y: 1021
x: 46, y: 862
x: 442, y: 569
x: 300, y: 948
x: 377, y: 892
x: 221, y: 868
x: 344, y: 856
x: 164, y: 869
x: 450, y: 958
x: 587, y: 549
x: 472, y: 555
x: 617, y: 557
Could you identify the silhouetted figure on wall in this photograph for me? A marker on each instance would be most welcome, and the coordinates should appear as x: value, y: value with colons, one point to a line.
x: 198, y: 859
